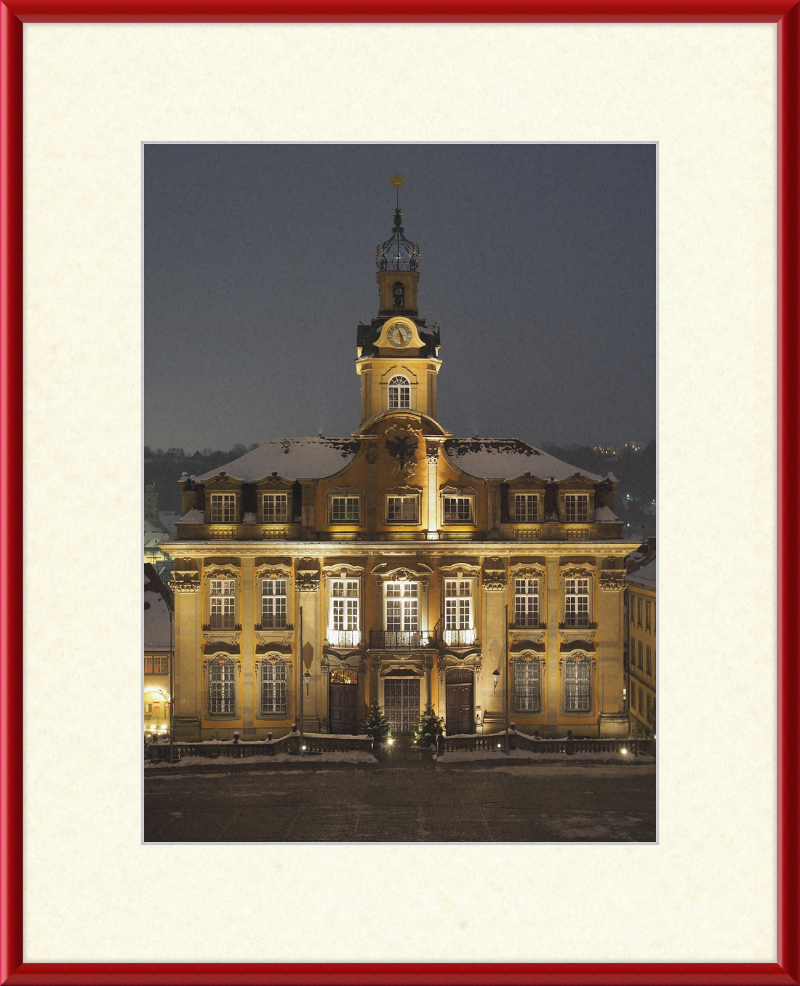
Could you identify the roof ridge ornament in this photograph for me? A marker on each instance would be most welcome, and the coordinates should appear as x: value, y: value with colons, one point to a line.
x: 397, y: 253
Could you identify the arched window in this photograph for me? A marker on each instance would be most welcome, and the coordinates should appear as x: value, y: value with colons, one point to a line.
x: 398, y: 295
x: 399, y: 392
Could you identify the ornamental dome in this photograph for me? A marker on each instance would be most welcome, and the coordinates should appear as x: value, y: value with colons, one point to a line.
x: 397, y: 253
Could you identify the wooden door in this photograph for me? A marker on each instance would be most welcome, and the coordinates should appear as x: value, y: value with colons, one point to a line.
x: 458, y: 703
x: 344, y: 708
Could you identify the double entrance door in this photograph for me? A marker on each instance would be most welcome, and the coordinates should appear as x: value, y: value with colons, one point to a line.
x: 459, y: 699
x: 344, y: 702
x: 401, y: 703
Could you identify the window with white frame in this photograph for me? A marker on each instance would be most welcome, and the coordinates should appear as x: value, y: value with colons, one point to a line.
x: 526, y: 603
x: 399, y: 392
x: 273, y: 603
x: 577, y: 686
x: 458, y: 629
x: 345, y: 508
x: 275, y: 508
x: 576, y: 508
x: 402, y: 607
x: 576, y: 602
x: 401, y: 509
x: 223, y: 508
x: 526, y: 508
x: 344, y: 625
x: 527, y: 686
x: 457, y: 509
x: 223, y: 608
x: 222, y: 688
x: 273, y: 689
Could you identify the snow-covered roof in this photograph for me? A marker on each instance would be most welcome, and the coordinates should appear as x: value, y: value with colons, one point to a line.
x: 293, y: 458
x: 605, y: 515
x: 508, y: 458
x: 645, y: 576
x: 156, y: 621
x: 194, y: 516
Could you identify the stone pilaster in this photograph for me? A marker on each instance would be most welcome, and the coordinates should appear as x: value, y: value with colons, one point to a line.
x: 187, y: 678
x: 247, y: 646
x: 553, y: 615
x: 432, y: 455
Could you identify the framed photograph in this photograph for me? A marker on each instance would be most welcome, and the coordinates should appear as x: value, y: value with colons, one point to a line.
x: 715, y: 899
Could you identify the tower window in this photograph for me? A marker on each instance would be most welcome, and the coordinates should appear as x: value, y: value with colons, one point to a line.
x: 398, y: 295
x: 399, y: 392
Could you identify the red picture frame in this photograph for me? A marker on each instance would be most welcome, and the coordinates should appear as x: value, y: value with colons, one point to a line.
x: 12, y: 15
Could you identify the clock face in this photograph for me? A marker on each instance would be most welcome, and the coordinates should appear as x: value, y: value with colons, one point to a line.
x: 399, y: 335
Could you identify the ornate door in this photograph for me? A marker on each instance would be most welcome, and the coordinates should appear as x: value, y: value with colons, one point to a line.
x: 401, y: 703
x: 459, y: 702
x: 344, y: 703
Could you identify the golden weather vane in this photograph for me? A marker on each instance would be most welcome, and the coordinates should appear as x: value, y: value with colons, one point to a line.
x: 397, y: 181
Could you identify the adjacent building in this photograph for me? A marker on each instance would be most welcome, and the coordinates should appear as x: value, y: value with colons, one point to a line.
x: 399, y: 562
x: 641, y: 614
x: 157, y: 652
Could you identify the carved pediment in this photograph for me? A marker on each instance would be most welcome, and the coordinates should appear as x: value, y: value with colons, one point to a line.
x: 571, y: 643
x: 280, y: 649
x: 407, y: 572
x: 220, y: 650
x: 612, y: 581
x: 229, y: 638
x: 186, y: 581
x: 227, y: 569
x: 274, y: 482
x: 340, y: 570
x: 273, y: 568
x: 279, y: 636
x: 527, y: 637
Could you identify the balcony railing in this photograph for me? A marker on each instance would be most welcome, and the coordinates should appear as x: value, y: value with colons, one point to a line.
x: 344, y: 638
x: 407, y: 639
x: 460, y: 638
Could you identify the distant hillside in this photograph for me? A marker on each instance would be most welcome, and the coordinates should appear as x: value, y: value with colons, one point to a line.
x: 165, y: 469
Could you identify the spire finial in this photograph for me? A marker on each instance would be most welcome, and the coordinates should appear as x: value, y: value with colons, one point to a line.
x: 397, y: 181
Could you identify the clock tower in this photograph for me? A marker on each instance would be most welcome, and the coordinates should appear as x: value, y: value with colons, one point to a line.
x: 398, y: 354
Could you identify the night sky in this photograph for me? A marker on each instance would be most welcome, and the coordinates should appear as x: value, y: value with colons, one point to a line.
x: 538, y: 262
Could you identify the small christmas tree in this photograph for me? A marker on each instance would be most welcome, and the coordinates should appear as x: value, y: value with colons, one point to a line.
x: 376, y: 724
x: 429, y: 728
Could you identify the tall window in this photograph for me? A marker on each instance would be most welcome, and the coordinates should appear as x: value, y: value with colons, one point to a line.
x: 639, y: 655
x: 222, y: 688
x: 649, y: 665
x: 222, y: 604
x: 576, y: 508
x: 577, y: 686
x: 273, y: 689
x: 527, y: 687
x: 457, y: 509
x: 273, y: 603
x: 633, y: 698
x: 344, y: 508
x: 344, y: 612
x: 399, y: 392
x: 156, y: 665
x: 402, y: 607
x: 647, y: 615
x: 576, y: 608
x: 275, y: 508
x: 526, y: 603
x: 458, y: 612
x: 638, y: 612
x: 641, y: 700
x: 399, y: 508
x: 526, y: 508
x: 223, y: 508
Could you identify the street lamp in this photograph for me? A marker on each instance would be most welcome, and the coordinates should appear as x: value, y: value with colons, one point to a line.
x: 495, y: 679
x: 307, y: 678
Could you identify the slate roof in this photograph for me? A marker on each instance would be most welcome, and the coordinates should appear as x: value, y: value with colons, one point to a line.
x: 508, y: 458
x: 294, y: 458
x: 644, y: 576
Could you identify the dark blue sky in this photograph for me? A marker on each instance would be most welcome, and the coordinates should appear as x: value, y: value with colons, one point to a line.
x: 538, y: 262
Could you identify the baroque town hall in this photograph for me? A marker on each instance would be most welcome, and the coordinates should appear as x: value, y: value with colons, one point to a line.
x: 416, y: 567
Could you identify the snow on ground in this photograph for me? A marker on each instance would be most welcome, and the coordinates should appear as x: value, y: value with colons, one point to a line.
x: 352, y: 756
x: 460, y: 756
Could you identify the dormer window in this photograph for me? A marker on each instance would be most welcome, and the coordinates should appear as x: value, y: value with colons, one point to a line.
x: 398, y: 295
x: 576, y: 508
x: 526, y: 508
x: 275, y: 507
x: 223, y: 508
x: 399, y: 392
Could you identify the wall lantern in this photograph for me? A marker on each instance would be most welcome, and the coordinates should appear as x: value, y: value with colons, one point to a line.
x: 495, y: 679
x: 307, y: 678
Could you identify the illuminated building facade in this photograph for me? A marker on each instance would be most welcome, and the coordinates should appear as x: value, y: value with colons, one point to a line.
x: 419, y: 563
x: 642, y: 644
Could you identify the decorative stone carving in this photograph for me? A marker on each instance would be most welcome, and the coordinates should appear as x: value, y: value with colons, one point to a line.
x: 217, y: 571
x: 527, y: 635
x: 306, y: 582
x: 229, y: 637
x: 495, y: 581
x: 578, y: 572
x: 572, y: 634
x: 185, y: 581
x: 611, y: 581
x: 402, y: 442
x: 432, y: 454
x: 279, y: 637
x: 371, y: 455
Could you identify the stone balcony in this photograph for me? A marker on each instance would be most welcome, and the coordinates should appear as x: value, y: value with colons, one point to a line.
x: 562, y: 532
x: 237, y: 532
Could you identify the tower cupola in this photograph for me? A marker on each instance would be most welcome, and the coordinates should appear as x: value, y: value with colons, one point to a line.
x: 397, y: 260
